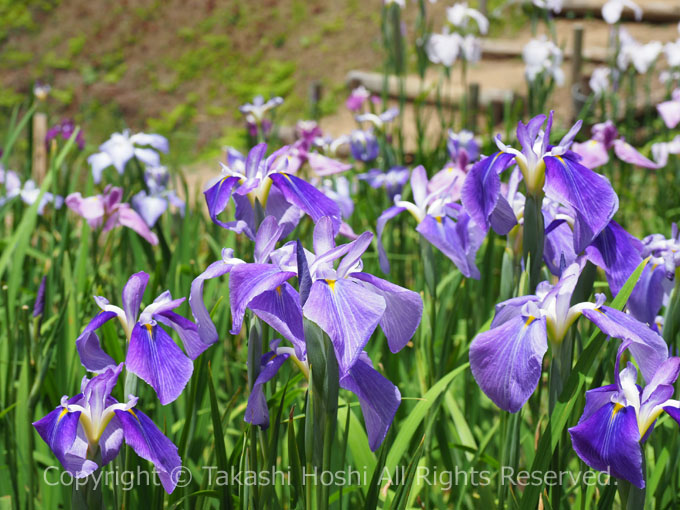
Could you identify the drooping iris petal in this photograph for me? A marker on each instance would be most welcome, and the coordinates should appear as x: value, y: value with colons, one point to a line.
x: 111, y: 439
x: 217, y: 198
x: 593, y: 153
x: 257, y: 411
x: 617, y: 252
x: 280, y: 308
x: 323, y: 165
x: 247, y: 281
x: 133, y: 292
x: 558, y: 246
x: 187, y: 331
x: 454, y: 240
x: 129, y: 218
x: 155, y: 358
x: 627, y: 153
x: 647, y: 346
x: 348, y: 313
x: 92, y: 356
x: 609, y: 440
x: 589, y: 194
x: 506, y: 361
x: 307, y: 197
x: 647, y: 297
x: 403, y: 310
x: 151, y: 444
x: 482, y: 187
x: 387, y: 215
x: 378, y: 397
x: 58, y: 429
x: 502, y: 219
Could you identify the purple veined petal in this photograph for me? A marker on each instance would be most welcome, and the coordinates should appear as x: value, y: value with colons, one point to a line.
x: 378, y: 397
x: 280, y: 308
x: 647, y: 297
x: 59, y: 429
x: 419, y: 186
x: 111, y: 440
x: 387, y: 215
x: 90, y: 208
x: 128, y: 217
x: 353, y: 257
x: 257, y: 412
x: 403, y: 310
x: 97, y: 390
x: 546, y: 133
x: 609, y: 440
x: 348, y: 313
x: 98, y: 162
x: 92, y: 356
x: 510, y: 309
x: 526, y: 135
x: 188, y: 333
x: 666, y: 375
x: 454, y: 240
x: 589, y: 194
x: 288, y: 215
x: 673, y: 411
x: 628, y: 154
x: 596, y: 398
x: 506, y: 361
x: 502, y: 219
x: 323, y: 165
x: 670, y: 113
x: 148, y: 156
x: 267, y: 236
x: 346, y: 231
x: 647, y: 346
x: 158, y: 142
x: 617, y: 252
x: 206, y: 328
x: 150, y: 208
x: 558, y: 246
x: 247, y: 281
x: 254, y: 159
x: 147, y: 440
x: 324, y: 237
x: 307, y: 197
x: 217, y: 198
x: 482, y: 187
x: 593, y: 153
x: 133, y: 292
x: 568, y: 139
x: 155, y: 358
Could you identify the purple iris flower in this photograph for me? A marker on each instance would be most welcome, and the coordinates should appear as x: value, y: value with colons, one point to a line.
x: 255, y: 114
x: 618, y: 419
x: 554, y: 170
x: 364, y: 145
x: 65, y: 129
x: 155, y: 200
x: 357, y: 98
x: 393, y: 180
x: 506, y: 361
x: 249, y: 183
x: 670, y: 110
x: 108, y: 210
x: 86, y: 432
x: 122, y: 147
x: 441, y: 221
x: 656, y: 281
x: 595, y: 152
x: 462, y: 147
x: 152, y: 355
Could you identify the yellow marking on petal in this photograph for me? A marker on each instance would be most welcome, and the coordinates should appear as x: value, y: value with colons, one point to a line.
x: 278, y: 290
x: 63, y: 413
x: 561, y: 160
x: 331, y: 285
x: 287, y: 176
x: 439, y: 219
x: 133, y: 413
x: 529, y: 321
x: 617, y: 408
x: 593, y: 143
x: 149, y: 328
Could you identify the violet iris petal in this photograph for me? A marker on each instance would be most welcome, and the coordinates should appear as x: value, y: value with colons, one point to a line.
x: 348, y: 313
x: 646, y: 299
x: 92, y: 356
x: 217, y: 198
x: 482, y: 187
x: 506, y: 361
x: 148, y: 442
x: 132, y: 295
x: 593, y: 153
x: 609, y: 440
x: 403, y: 310
x: 627, y: 153
x: 257, y: 411
x: 589, y: 194
x: 378, y: 397
x: 387, y: 215
x: 156, y: 359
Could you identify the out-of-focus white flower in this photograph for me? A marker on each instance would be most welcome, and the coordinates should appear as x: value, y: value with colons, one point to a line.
x: 460, y: 14
x: 549, y: 5
x: 41, y: 90
x: 444, y: 48
x: 641, y: 56
x: 543, y: 56
x: 672, y: 51
x: 471, y: 48
x: 380, y: 120
x: 599, y: 80
x: 611, y: 11
x: 667, y: 76
x: 256, y: 110
x: 400, y: 3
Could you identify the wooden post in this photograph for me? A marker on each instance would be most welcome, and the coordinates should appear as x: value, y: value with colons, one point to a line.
x: 473, y: 108
x: 315, y: 93
x: 576, y: 72
x: 482, y: 7
x: 39, y: 163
